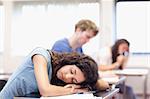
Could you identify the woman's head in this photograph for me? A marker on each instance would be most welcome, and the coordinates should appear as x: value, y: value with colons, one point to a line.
x: 70, y: 74
x: 120, y: 46
x: 75, y: 68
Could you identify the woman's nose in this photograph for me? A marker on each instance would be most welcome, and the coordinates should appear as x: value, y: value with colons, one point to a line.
x: 68, y: 76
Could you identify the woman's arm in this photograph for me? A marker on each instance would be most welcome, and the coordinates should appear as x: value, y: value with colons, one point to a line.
x: 102, y: 85
x: 110, y: 67
x: 121, y: 61
x: 124, y: 62
x: 41, y: 74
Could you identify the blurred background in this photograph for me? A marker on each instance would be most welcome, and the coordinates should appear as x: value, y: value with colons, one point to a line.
x: 26, y: 24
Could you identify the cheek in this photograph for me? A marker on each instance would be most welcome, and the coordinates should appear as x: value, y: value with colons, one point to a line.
x: 121, y: 49
x: 81, y: 40
x: 84, y: 39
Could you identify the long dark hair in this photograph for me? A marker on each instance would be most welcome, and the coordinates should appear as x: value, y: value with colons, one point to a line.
x: 114, y: 49
x: 85, y: 63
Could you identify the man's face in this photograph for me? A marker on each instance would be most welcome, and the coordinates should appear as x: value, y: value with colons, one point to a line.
x: 85, y: 36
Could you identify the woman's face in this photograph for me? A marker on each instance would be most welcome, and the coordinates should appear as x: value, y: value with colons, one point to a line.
x: 123, y: 48
x: 70, y: 74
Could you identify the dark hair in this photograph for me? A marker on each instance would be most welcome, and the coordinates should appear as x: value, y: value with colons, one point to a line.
x: 85, y: 63
x: 115, y: 47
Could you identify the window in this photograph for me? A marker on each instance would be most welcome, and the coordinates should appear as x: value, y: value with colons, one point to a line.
x: 1, y: 28
x: 133, y: 23
x: 41, y: 25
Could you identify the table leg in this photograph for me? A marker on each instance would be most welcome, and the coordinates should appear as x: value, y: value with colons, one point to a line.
x: 145, y: 86
x: 124, y: 90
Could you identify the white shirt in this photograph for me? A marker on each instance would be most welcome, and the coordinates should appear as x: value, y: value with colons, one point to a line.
x: 103, y: 57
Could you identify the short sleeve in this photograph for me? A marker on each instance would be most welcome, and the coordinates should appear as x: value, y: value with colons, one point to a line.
x: 46, y: 55
x: 59, y: 47
x: 41, y: 51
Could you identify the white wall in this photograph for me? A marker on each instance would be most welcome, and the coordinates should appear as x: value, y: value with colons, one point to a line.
x: 9, y: 63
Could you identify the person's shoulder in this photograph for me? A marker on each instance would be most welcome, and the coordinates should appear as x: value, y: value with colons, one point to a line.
x: 62, y: 41
x: 39, y: 49
x: 61, y: 46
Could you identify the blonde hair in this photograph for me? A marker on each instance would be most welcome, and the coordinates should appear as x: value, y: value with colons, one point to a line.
x: 85, y: 24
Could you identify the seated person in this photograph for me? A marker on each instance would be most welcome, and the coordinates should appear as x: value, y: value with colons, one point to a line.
x: 115, y: 57
x: 51, y: 74
x: 84, y: 31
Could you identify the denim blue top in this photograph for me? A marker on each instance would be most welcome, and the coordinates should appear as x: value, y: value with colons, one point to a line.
x: 23, y: 81
x: 64, y: 46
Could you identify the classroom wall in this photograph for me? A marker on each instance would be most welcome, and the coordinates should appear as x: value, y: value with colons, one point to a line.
x: 1, y: 60
x: 9, y: 63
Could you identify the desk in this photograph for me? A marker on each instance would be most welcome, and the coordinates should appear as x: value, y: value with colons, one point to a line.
x: 99, y: 95
x: 121, y: 80
x: 5, y: 76
x: 107, y: 94
x: 113, y: 79
x: 136, y: 72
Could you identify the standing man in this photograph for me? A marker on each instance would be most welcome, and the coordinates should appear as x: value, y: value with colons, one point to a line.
x: 84, y: 31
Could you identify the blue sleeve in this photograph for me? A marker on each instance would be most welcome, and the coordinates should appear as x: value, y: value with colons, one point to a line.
x: 41, y: 51
x: 60, y: 46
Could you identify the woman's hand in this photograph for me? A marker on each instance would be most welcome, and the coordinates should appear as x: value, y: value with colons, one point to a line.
x: 102, y: 85
x: 120, y: 59
x: 76, y: 88
x: 72, y: 86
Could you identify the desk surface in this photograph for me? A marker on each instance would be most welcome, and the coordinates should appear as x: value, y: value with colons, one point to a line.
x: 100, y: 95
x: 4, y: 76
x: 136, y: 72
x: 107, y: 94
x: 111, y: 77
x: 132, y: 72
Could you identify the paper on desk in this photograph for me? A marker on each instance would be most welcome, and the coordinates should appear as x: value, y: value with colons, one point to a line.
x: 74, y: 96
x: 109, y: 77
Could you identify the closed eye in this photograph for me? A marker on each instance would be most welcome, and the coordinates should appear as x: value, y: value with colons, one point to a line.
x: 74, y: 73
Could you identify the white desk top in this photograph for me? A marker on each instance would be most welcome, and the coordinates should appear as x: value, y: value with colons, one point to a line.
x: 111, y: 77
x: 73, y: 96
x: 132, y: 72
x: 4, y: 77
x: 99, y: 95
